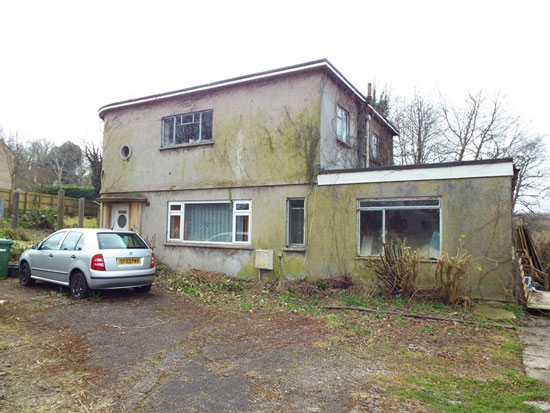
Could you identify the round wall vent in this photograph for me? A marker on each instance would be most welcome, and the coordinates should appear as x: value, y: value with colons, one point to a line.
x: 125, y: 152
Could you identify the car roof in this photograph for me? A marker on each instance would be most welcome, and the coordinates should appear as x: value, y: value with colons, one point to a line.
x: 95, y: 230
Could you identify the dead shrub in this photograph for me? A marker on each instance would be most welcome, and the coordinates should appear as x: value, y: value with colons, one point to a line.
x: 450, y: 273
x: 396, y: 270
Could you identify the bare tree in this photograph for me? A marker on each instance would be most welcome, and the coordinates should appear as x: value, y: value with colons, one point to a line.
x: 419, y: 121
x: 484, y: 128
x: 93, y: 155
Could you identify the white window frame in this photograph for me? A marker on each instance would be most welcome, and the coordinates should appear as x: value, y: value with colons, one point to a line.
x: 288, y: 222
x: 236, y: 213
x: 396, y: 207
x: 343, y: 124
x: 181, y: 115
x: 242, y: 213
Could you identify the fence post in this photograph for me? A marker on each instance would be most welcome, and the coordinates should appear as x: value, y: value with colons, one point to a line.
x: 15, y: 209
x: 81, y: 205
x: 60, y: 196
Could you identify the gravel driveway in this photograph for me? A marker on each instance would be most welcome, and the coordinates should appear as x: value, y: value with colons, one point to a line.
x: 161, y: 352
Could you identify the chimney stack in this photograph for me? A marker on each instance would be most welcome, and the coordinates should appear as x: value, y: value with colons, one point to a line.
x: 369, y: 93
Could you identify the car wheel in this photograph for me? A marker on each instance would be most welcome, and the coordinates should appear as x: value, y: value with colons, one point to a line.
x: 79, y: 287
x: 25, y: 275
x: 143, y: 289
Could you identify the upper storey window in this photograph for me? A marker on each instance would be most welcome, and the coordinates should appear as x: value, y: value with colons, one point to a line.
x: 192, y: 127
x: 342, y: 124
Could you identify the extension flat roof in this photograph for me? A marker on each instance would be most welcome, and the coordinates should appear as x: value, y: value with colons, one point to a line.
x: 302, y: 67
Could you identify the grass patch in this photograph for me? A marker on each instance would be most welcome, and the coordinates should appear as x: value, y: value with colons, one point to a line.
x: 464, y: 394
x: 72, y: 222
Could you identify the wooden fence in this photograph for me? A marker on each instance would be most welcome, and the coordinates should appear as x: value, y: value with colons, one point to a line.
x: 35, y: 200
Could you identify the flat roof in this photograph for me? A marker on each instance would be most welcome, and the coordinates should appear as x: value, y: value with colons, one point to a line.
x: 302, y: 67
x: 425, y: 172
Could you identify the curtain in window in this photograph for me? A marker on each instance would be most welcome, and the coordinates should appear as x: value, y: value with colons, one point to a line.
x: 208, y: 222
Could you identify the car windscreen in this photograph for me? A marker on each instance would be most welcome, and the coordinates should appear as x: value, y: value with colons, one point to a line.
x: 119, y: 240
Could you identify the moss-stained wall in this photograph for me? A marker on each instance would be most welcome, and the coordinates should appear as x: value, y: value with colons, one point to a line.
x: 6, y: 166
x: 475, y: 214
x: 264, y: 132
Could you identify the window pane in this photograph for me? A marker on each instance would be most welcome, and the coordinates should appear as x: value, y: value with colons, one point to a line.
x: 296, y: 221
x: 187, y: 118
x: 52, y: 242
x: 418, y: 228
x: 206, y: 132
x: 208, y: 222
x: 69, y: 243
x: 241, y: 234
x: 242, y: 207
x: 175, y: 225
x: 175, y: 207
x: 119, y: 241
x: 168, y: 131
x: 370, y: 233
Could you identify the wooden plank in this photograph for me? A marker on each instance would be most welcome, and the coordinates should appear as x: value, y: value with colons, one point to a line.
x: 539, y: 300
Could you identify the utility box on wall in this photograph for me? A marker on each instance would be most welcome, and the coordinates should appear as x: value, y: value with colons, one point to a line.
x: 264, y: 259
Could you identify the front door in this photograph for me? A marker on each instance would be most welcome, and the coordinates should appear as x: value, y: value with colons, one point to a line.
x: 120, y: 217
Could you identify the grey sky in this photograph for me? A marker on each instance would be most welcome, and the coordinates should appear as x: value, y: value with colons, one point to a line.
x: 61, y: 61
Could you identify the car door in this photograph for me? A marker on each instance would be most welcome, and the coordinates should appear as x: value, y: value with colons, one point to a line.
x: 66, y: 256
x: 43, y: 258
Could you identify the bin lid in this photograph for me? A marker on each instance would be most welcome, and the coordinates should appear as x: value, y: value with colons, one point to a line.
x: 4, y: 241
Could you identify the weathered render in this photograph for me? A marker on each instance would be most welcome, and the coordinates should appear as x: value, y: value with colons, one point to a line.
x: 6, y: 167
x: 293, y: 157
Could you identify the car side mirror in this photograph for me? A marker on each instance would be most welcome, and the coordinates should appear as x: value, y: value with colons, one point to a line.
x: 34, y: 246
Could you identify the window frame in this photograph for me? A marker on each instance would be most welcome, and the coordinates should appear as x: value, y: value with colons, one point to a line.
x: 375, y: 146
x: 235, y: 214
x: 345, y: 121
x: 383, y: 209
x: 181, y: 115
x: 288, y: 243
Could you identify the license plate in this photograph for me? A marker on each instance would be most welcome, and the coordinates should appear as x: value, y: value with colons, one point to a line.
x: 125, y: 261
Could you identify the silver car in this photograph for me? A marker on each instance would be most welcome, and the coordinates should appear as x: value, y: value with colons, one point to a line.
x: 85, y: 259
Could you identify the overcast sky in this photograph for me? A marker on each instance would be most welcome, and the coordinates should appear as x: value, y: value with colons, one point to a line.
x: 61, y: 61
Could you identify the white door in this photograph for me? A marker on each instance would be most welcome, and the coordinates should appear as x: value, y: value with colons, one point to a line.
x: 120, y: 216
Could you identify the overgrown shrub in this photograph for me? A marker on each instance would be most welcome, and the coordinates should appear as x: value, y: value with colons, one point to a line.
x: 17, y: 249
x: 14, y: 234
x: 38, y: 218
x: 396, y: 270
x: 73, y: 191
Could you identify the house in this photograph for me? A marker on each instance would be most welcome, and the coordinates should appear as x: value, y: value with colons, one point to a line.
x: 6, y: 166
x: 288, y: 173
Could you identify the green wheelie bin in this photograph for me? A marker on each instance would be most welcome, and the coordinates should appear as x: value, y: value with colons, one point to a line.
x: 5, y: 245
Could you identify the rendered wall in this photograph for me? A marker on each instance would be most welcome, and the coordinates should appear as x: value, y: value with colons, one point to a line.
x: 264, y: 132
x: 6, y: 165
x: 475, y: 213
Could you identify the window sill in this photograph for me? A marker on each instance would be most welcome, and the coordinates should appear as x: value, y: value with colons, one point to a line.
x: 208, y: 245
x: 343, y: 143
x: 294, y: 249
x: 422, y: 260
x: 186, y: 145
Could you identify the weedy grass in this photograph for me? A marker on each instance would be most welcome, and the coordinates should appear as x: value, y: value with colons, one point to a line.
x: 447, y: 367
x: 448, y: 393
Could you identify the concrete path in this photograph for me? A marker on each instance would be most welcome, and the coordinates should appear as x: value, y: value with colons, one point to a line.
x: 536, y: 348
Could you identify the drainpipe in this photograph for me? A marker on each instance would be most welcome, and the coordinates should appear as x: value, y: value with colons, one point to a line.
x: 367, y: 127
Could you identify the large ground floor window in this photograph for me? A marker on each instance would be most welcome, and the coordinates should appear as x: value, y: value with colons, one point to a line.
x: 215, y: 222
x: 414, y: 222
